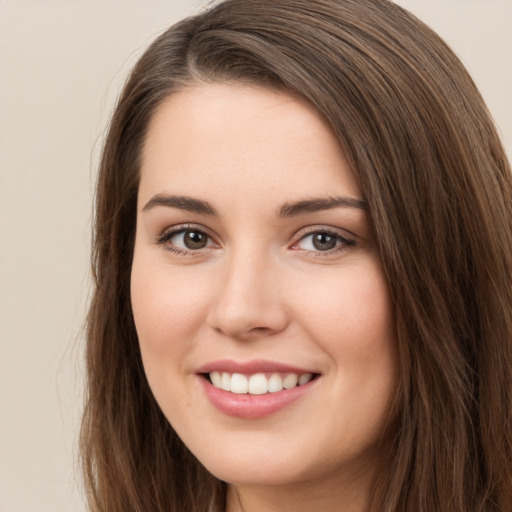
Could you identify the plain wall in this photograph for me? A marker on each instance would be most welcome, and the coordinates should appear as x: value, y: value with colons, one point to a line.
x: 62, y: 64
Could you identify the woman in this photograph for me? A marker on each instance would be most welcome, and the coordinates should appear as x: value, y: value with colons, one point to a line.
x: 303, y: 263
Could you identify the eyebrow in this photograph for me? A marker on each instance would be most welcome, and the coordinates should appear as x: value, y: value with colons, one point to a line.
x: 287, y: 210
x: 182, y: 202
x: 316, y: 205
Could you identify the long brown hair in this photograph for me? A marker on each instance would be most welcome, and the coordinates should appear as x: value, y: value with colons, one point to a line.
x: 439, y: 189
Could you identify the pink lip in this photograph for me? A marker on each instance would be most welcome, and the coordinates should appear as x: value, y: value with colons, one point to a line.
x: 250, y: 367
x: 247, y: 406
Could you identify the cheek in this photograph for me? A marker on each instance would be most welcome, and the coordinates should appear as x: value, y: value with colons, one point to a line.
x: 350, y: 316
x: 166, y: 308
x: 352, y: 305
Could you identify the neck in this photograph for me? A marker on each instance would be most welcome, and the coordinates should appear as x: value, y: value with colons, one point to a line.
x: 341, y: 494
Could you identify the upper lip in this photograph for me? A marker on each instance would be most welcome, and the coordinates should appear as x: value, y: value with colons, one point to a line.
x: 251, y: 367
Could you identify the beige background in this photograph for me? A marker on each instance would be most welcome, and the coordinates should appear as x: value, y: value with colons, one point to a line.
x: 61, y: 66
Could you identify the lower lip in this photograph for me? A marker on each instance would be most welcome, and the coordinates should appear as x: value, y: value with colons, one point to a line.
x: 250, y: 407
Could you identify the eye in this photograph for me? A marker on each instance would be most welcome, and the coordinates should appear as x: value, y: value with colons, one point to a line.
x: 183, y: 240
x: 323, y: 241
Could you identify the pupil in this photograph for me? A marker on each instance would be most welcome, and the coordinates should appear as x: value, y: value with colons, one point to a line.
x: 194, y: 240
x: 324, y: 241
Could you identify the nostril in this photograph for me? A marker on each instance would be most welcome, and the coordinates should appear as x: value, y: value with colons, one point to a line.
x: 246, y: 306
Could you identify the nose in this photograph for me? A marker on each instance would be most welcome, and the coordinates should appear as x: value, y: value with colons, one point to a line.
x: 249, y: 300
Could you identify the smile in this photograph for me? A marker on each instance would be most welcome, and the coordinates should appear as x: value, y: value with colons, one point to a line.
x: 255, y: 389
x: 258, y: 383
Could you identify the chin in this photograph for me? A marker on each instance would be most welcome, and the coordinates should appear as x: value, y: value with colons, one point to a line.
x: 260, y: 458
x: 255, y: 473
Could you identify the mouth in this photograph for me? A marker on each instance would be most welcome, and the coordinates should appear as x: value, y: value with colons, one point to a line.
x: 257, y: 383
x: 254, y: 389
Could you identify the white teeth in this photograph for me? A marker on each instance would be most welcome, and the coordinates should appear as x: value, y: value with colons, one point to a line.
x: 290, y: 381
x: 239, y: 384
x: 216, y: 378
x: 275, y: 383
x: 304, y: 379
x: 226, y: 382
x: 257, y: 384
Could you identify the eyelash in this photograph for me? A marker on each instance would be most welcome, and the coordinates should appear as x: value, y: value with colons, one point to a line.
x: 166, y: 236
x: 343, y: 243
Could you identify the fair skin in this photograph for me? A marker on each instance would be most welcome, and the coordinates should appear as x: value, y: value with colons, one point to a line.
x: 254, y: 256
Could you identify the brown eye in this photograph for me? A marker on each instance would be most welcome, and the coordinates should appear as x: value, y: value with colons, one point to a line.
x: 195, y: 240
x: 324, y: 241
x: 183, y: 240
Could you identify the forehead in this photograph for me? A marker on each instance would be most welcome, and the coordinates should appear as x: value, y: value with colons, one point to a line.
x: 246, y: 138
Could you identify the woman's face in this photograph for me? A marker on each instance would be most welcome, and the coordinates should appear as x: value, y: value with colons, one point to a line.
x: 263, y: 315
